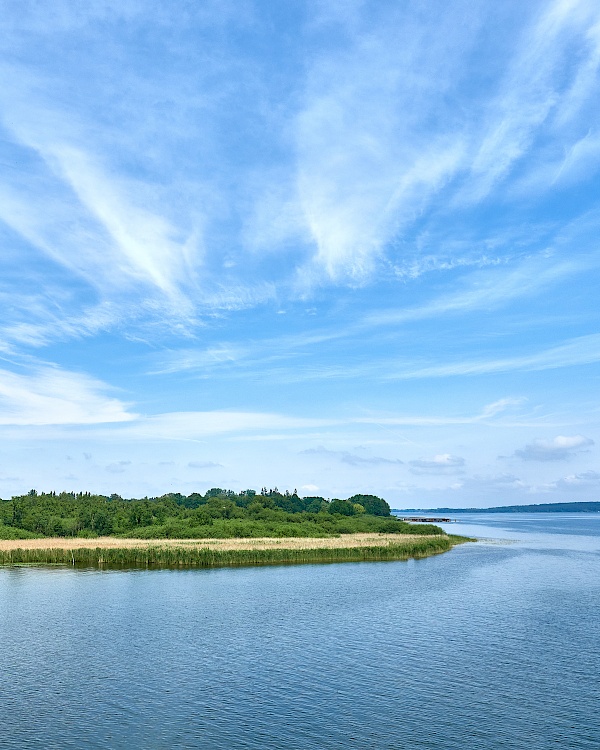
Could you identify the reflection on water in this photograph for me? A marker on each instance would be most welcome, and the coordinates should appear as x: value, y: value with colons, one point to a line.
x: 493, y: 645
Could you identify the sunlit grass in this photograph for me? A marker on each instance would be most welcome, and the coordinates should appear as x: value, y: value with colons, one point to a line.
x: 173, y: 556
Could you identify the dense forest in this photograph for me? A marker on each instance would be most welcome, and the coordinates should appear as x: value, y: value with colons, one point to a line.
x: 219, y: 514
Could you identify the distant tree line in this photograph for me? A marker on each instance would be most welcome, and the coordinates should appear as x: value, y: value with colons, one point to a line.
x: 218, y: 512
x: 569, y: 507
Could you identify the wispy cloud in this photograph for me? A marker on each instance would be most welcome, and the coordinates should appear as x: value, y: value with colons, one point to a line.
x: 486, y: 415
x: 364, y: 170
x: 117, y: 467
x: 495, y: 483
x: 52, y: 396
x: 113, y: 238
x: 200, y: 425
x: 579, y: 351
x: 485, y: 290
x: 352, y: 459
x: 147, y: 246
x: 194, y: 425
x: 443, y: 463
x: 44, y: 320
x: 203, y: 465
x: 489, y: 290
x: 363, y: 147
x: 535, y: 87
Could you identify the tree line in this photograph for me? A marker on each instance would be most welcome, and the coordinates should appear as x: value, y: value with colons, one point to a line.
x: 219, y: 512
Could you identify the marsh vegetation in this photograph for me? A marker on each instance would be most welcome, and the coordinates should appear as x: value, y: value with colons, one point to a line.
x: 181, y: 555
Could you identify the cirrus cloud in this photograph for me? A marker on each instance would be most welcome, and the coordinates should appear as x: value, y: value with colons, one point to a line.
x: 52, y: 396
x: 352, y: 459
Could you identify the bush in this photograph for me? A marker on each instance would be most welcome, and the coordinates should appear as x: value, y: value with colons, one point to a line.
x: 13, y: 532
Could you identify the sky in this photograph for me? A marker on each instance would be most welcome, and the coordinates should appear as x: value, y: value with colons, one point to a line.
x: 333, y: 247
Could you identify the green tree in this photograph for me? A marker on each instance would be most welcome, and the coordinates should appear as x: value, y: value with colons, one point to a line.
x: 343, y: 507
x: 375, y: 506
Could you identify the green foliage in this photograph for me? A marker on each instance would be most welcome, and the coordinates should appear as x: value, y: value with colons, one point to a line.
x: 342, y: 507
x: 218, y: 513
x: 375, y: 506
x: 13, y: 532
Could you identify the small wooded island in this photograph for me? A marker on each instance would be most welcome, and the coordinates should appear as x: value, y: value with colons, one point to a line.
x: 218, y: 528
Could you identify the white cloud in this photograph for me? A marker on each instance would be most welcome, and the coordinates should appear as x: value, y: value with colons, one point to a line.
x: 52, y: 396
x: 486, y: 416
x: 117, y: 467
x: 193, y: 425
x: 567, y: 167
x: 489, y: 289
x: 557, y: 449
x: 585, y: 480
x: 67, y: 416
x: 444, y: 463
x: 579, y: 351
x: 47, y: 321
x: 203, y: 465
x: 480, y: 485
x: 97, y: 224
x: 148, y: 247
x: 533, y: 89
x: 375, y: 142
x: 366, y: 165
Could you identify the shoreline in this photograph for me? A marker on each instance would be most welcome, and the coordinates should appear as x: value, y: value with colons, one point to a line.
x: 229, y: 543
x: 181, y: 553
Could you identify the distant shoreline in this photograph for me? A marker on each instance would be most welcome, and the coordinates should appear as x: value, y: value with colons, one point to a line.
x: 576, y: 507
x: 110, y: 551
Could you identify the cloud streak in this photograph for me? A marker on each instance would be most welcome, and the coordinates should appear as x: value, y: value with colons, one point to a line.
x: 443, y: 463
x: 203, y: 465
x: 352, y: 459
x: 579, y: 351
x: 52, y: 396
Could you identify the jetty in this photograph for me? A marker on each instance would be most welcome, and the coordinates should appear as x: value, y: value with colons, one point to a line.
x: 424, y: 519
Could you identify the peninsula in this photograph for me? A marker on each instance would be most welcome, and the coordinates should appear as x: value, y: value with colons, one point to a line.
x: 218, y: 528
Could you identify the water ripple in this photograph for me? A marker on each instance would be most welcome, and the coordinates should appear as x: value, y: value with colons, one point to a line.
x: 489, y: 646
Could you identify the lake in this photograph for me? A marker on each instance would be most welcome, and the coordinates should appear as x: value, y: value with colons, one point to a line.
x: 492, y: 645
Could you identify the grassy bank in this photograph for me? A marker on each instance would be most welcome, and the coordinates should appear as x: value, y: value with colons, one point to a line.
x: 180, y: 556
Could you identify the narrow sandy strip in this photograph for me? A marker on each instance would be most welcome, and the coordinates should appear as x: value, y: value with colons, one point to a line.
x: 344, y: 541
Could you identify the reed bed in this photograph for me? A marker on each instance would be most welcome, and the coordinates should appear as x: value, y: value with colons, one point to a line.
x: 265, y: 542
x: 179, y: 556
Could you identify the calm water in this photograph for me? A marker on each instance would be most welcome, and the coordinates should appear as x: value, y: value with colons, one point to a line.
x: 493, y: 645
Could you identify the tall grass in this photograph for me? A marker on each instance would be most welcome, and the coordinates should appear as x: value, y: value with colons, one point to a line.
x: 182, y: 557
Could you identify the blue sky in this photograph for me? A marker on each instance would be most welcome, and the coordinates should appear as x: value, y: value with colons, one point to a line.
x: 339, y: 247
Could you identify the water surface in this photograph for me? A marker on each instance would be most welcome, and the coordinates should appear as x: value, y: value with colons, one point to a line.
x: 493, y: 645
